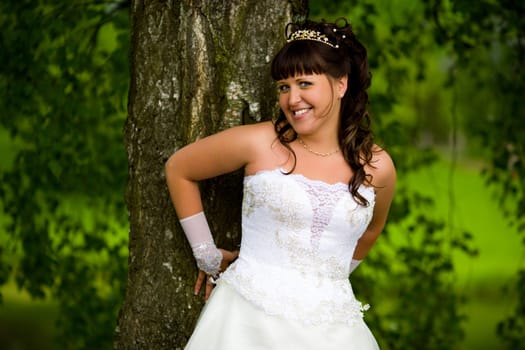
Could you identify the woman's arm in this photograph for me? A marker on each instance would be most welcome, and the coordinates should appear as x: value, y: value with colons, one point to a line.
x: 384, y: 180
x: 212, y: 156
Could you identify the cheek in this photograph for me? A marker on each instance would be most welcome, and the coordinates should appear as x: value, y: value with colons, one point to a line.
x: 283, y: 101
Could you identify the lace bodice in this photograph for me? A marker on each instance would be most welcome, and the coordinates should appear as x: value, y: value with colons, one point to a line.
x: 298, y: 239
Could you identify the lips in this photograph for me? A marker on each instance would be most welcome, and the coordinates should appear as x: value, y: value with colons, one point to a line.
x: 298, y: 114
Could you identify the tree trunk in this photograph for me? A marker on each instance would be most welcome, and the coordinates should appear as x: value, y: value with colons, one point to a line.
x: 197, y: 67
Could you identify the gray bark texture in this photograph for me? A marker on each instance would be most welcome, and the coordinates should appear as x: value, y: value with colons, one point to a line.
x: 197, y: 67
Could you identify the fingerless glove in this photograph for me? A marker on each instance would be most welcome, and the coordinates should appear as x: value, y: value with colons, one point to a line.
x: 199, y: 236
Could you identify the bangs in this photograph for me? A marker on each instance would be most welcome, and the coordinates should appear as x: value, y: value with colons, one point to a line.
x: 297, y: 58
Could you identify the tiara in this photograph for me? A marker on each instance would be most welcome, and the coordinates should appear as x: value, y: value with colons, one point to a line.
x: 308, y: 34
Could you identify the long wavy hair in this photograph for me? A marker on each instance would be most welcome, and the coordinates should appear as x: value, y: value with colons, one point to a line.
x: 346, y: 56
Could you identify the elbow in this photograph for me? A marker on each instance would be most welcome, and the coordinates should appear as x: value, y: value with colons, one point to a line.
x: 170, y: 163
x: 170, y: 166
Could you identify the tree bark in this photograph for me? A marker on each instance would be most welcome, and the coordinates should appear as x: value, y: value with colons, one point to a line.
x: 197, y: 67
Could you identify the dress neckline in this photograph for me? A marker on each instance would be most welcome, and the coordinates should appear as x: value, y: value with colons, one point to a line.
x: 306, y: 179
x: 301, y: 176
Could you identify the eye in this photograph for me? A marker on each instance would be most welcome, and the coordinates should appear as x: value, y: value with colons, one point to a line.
x: 283, y: 88
x: 305, y: 84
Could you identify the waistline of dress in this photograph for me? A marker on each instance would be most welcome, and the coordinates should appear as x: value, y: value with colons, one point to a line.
x: 294, y: 295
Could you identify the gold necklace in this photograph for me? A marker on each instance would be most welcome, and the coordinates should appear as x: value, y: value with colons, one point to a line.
x: 320, y: 154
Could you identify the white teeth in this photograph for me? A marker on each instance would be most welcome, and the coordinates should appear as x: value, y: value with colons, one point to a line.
x: 301, y: 111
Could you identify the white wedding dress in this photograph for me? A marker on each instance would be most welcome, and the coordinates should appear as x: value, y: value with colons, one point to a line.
x: 289, y: 288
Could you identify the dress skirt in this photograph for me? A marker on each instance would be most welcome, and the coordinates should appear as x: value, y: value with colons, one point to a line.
x: 229, y: 321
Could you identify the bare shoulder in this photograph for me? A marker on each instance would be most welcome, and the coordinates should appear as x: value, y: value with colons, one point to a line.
x: 250, y: 137
x: 244, y: 135
x: 382, y: 168
x: 251, y: 142
x: 250, y: 131
x: 260, y: 130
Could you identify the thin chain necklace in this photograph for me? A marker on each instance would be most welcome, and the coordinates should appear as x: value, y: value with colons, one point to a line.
x: 320, y: 154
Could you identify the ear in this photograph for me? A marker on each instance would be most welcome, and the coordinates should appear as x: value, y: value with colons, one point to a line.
x: 342, y: 85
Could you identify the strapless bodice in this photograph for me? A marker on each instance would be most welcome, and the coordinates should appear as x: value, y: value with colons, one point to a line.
x: 298, y: 239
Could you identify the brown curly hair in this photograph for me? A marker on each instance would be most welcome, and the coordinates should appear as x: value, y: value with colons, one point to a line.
x: 345, y: 57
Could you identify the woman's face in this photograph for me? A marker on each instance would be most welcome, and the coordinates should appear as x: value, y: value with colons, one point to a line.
x: 311, y: 101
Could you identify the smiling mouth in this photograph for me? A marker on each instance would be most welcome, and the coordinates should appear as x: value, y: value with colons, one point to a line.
x: 301, y: 112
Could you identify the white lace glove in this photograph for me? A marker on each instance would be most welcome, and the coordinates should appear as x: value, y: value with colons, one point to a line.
x: 354, y: 264
x: 198, y: 233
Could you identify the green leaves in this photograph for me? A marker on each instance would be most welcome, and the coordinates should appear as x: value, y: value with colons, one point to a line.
x: 63, y: 86
x: 489, y: 35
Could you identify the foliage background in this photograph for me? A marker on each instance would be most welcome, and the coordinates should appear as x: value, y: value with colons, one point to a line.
x: 447, y: 83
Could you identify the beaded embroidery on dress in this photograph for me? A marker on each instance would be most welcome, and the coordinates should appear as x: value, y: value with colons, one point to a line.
x: 298, y: 240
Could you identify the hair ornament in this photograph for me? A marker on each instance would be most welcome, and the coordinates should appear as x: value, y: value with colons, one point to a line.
x: 308, y: 34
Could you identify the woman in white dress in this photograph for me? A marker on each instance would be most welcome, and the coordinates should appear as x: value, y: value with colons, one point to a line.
x: 317, y: 192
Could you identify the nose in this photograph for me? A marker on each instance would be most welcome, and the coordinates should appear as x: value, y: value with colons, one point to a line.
x: 294, y: 96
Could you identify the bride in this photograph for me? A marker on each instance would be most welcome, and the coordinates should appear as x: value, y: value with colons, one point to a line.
x: 317, y: 192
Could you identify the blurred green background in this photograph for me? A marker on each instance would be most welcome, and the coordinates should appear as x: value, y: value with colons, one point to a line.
x: 446, y: 102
